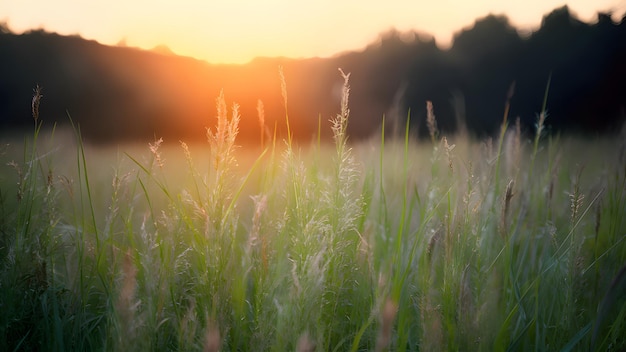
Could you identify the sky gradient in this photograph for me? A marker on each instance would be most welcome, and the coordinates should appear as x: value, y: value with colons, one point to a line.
x: 237, y: 31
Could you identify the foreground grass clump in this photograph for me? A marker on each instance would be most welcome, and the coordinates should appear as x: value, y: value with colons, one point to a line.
x: 387, y: 245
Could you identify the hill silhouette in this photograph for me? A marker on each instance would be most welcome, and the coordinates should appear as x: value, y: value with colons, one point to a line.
x: 122, y: 93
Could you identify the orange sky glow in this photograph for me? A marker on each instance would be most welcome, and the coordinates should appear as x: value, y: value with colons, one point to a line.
x: 239, y: 30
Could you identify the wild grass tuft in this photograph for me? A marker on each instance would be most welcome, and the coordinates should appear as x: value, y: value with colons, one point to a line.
x: 393, y: 244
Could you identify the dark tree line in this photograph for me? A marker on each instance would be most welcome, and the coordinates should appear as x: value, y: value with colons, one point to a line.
x: 585, y: 63
x: 120, y: 93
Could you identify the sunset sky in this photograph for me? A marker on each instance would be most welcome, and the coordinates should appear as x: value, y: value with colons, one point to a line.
x: 237, y: 31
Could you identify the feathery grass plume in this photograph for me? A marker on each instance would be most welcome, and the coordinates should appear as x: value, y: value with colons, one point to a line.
x: 431, y: 122
x: 345, y: 161
x: 283, y: 92
x: 346, y: 209
x: 170, y: 287
x: 222, y: 154
x: 340, y: 123
x: 154, y: 149
x: 448, y: 150
x: 387, y: 318
x: 261, y: 112
x: 222, y: 140
x: 187, y: 153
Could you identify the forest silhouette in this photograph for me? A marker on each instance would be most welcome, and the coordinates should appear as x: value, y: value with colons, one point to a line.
x: 120, y: 93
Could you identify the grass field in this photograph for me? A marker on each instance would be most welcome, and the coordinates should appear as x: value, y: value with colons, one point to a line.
x: 514, y: 243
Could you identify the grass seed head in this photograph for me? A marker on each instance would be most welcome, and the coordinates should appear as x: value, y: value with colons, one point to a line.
x: 35, y: 102
x: 261, y: 113
x: 154, y: 149
x: 431, y: 122
x: 340, y: 123
x: 509, y: 193
x: 283, y: 85
x: 222, y: 140
x: 187, y: 152
x: 448, y: 149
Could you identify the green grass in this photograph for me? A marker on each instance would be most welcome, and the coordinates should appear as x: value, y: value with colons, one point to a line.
x: 387, y: 244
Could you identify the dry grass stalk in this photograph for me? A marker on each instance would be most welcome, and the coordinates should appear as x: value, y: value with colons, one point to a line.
x: 305, y: 343
x: 212, y: 339
x: 35, y: 103
x: 387, y: 318
x: 507, y: 204
x: 431, y: 122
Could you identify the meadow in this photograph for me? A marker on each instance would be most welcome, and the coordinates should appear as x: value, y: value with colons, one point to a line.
x: 510, y: 243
